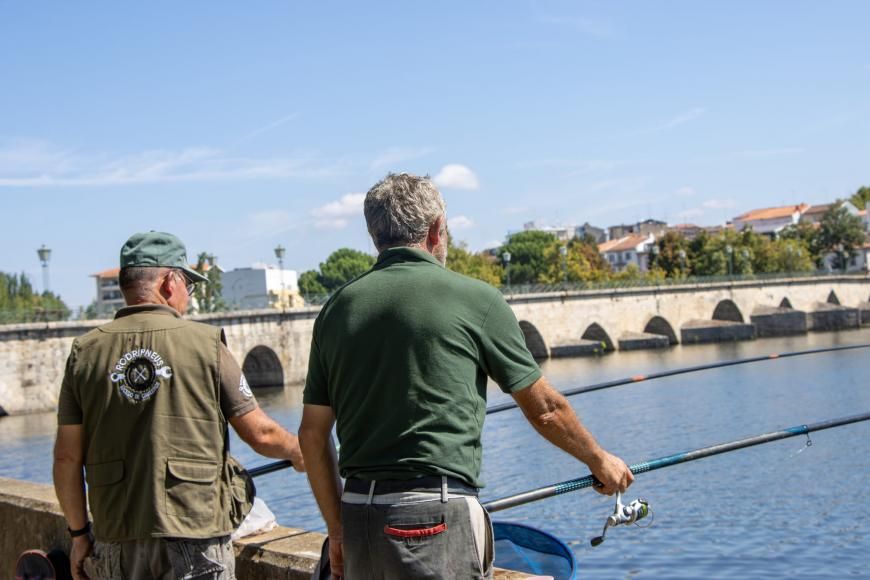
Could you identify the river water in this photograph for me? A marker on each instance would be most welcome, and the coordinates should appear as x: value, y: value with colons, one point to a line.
x: 780, y: 510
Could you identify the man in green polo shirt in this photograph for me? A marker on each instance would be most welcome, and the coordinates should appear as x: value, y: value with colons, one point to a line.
x: 142, y: 416
x: 399, y: 361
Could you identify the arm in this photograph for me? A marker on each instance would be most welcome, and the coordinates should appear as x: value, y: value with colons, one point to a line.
x: 550, y: 414
x: 267, y: 437
x: 69, y: 485
x: 315, y: 436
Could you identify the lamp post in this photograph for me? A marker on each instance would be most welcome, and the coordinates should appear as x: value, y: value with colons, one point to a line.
x: 279, y: 253
x: 745, y: 253
x: 44, y: 254
x: 730, y: 251
x: 682, y: 255
x: 654, y: 254
x: 563, y: 251
x: 506, y: 259
x: 840, y: 257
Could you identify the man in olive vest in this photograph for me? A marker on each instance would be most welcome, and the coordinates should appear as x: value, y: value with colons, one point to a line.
x: 142, y: 417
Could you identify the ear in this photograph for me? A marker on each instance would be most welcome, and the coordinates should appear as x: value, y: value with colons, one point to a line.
x: 437, y: 232
x: 165, y: 287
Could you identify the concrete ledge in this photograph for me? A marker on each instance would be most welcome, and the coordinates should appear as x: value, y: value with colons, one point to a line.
x: 770, y: 321
x: 31, y: 518
x: 582, y: 347
x: 642, y: 341
x: 828, y: 317
x: 707, y: 331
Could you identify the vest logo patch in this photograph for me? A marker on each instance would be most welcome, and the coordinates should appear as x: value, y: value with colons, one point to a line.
x: 138, y: 374
x: 244, y: 388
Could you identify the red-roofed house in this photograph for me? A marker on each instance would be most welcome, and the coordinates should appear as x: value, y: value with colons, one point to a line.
x: 627, y: 250
x: 771, y: 220
x: 109, y: 297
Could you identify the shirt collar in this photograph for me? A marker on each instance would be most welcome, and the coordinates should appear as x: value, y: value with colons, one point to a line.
x: 401, y: 254
x: 150, y: 308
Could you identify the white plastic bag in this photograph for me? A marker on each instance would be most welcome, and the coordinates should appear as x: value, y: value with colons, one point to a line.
x: 258, y: 521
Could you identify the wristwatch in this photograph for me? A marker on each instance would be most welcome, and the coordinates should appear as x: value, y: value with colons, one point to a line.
x: 81, y: 532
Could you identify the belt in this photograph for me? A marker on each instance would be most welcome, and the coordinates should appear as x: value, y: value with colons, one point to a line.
x: 430, y: 484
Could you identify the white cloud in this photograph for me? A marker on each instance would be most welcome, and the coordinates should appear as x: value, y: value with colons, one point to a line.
x: 460, y: 222
x: 41, y: 164
x: 456, y: 176
x: 335, y: 214
x: 682, y: 118
x: 395, y: 155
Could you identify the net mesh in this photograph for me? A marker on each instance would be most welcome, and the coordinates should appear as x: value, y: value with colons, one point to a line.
x: 526, y: 549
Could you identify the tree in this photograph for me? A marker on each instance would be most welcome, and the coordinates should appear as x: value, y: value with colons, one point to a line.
x: 861, y: 197
x: 207, y: 297
x: 808, y: 236
x: 342, y: 266
x: 581, y: 263
x: 840, y: 232
x: 528, y: 255
x: 19, y: 302
x: 478, y: 266
x: 672, y: 256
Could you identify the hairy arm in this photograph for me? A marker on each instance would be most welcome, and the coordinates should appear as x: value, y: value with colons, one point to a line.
x: 553, y: 417
x: 69, y: 485
x: 267, y: 437
x: 315, y: 436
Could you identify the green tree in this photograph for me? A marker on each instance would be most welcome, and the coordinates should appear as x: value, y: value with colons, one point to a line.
x: 841, y: 232
x: 861, y: 197
x: 208, y: 296
x: 528, y: 252
x: 581, y: 263
x: 20, y: 303
x: 672, y: 255
x: 808, y: 236
x: 342, y: 266
x: 479, y: 266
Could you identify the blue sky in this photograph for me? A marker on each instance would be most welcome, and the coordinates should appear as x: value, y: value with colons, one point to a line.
x: 239, y: 126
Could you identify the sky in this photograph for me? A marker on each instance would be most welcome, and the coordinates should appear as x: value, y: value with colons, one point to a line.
x: 242, y: 126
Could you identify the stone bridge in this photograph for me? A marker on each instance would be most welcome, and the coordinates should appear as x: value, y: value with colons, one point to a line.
x: 273, y: 346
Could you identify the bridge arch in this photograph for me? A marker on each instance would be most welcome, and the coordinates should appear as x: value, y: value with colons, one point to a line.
x: 595, y: 332
x: 727, y: 310
x: 262, y: 368
x: 658, y: 325
x: 786, y: 303
x: 833, y: 298
x: 534, y: 340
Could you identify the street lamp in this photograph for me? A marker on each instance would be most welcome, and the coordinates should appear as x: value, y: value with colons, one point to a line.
x: 730, y: 251
x: 279, y: 253
x: 563, y: 251
x: 506, y: 259
x: 654, y: 252
x: 44, y: 254
x: 682, y: 255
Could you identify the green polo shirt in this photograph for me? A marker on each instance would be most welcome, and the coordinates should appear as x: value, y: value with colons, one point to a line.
x: 402, y: 355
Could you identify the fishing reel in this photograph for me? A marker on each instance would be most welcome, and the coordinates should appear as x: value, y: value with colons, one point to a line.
x: 624, y: 514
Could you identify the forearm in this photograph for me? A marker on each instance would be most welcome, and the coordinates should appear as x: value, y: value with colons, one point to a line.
x: 322, y: 467
x: 561, y: 426
x: 70, y: 489
x: 275, y: 441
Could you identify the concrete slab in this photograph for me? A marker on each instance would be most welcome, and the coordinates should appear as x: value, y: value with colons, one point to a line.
x: 582, y: 347
x: 827, y: 317
x: 772, y: 321
x: 707, y: 331
x: 864, y: 311
x: 642, y: 341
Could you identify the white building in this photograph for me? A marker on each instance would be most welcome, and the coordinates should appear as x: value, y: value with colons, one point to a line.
x: 562, y: 233
x: 633, y: 249
x: 770, y: 220
x: 260, y: 286
x: 108, y: 298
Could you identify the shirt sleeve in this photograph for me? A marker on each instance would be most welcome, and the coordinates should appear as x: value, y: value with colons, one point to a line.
x: 316, y: 391
x: 236, y: 396
x: 69, y: 409
x: 504, y: 354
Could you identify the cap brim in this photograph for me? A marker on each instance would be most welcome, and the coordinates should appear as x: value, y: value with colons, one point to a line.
x: 194, y: 275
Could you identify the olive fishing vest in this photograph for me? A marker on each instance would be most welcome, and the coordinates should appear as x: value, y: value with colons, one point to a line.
x: 149, y: 388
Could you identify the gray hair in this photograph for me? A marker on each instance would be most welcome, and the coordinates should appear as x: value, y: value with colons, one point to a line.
x: 400, y: 208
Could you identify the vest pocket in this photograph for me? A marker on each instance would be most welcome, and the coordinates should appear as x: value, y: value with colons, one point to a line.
x: 190, y: 488
x: 107, y: 494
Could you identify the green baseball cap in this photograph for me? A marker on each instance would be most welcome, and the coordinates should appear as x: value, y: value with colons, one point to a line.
x: 157, y: 250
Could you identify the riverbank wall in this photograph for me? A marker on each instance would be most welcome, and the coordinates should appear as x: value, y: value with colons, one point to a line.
x: 32, y: 519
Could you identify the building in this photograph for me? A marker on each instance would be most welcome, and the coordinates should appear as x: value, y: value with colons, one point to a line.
x: 600, y: 234
x: 815, y: 213
x: 771, y: 220
x: 646, y: 227
x: 562, y: 233
x: 260, y: 286
x: 688, y: 231
x: 631, y: 249
x: 108, y: 297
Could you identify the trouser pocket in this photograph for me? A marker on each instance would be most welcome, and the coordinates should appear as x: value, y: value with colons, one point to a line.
x: 196, y: 559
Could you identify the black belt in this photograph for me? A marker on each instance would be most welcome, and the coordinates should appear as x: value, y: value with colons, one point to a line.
x: 428, y: 484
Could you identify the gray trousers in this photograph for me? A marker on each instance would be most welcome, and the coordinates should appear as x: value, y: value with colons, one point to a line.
x: 163, y: 559
x: 424, y: 536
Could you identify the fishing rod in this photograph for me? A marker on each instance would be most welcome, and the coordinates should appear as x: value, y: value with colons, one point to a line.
x: 670, y: 373
x: 669, y: 460
x: 278, y: 465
